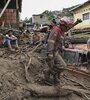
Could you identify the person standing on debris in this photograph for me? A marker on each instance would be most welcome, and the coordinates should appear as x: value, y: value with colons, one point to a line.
x: 55, y: 61
x: 35, y: 38
x: 10, y: 39
x: 52, y: 24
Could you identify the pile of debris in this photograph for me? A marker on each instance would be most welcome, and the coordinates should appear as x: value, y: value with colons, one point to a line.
x: 21, y: 75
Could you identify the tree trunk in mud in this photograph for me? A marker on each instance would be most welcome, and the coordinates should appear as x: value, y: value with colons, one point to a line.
x: 76, y: 40
x: 54, y: 91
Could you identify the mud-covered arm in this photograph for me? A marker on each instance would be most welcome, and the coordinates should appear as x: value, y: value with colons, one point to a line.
x: 77, y: 22
x: 74, y: 24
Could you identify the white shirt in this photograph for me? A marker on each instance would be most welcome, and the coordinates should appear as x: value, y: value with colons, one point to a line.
x: 88, y: 41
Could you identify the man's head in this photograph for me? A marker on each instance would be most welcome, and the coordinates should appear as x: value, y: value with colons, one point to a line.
x: 10, y: 32
x: 53, y: 22
x: 65, y: 23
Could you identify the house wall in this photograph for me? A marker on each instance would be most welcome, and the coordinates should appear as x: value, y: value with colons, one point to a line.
x: 9, y: 16
x: 40, y: 19
x: 79, y: 14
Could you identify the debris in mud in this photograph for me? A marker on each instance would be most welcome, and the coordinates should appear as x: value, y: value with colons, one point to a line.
x: 18, y: 82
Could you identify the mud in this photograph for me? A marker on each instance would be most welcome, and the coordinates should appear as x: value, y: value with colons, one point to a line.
x: 13, y: 81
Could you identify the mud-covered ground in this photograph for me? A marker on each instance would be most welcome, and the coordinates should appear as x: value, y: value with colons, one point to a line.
x: 18, y: 69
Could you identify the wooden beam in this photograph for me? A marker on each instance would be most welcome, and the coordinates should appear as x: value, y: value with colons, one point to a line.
x: 17, y: 6
x: 4, y: 8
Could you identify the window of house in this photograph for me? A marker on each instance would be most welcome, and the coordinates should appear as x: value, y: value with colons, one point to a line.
x: 41, y: 16
x: 86, y: 16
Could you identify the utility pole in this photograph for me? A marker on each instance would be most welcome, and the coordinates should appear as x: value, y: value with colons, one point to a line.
x: 17, y: 12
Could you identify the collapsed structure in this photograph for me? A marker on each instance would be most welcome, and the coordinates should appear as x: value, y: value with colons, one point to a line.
x: 10, y: 12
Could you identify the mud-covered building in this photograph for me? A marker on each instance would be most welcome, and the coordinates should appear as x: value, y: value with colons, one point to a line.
x: 11, y: 14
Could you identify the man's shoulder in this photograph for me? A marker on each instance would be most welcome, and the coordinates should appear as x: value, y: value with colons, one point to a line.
x: 55, y: 27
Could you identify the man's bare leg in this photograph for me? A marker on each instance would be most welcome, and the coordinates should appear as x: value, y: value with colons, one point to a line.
x: 9, y: 46
x: 16, y: 45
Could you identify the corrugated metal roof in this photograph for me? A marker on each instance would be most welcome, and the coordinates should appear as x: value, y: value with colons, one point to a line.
x: 80, y: 5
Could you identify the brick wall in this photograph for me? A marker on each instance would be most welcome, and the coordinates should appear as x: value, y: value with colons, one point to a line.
x: 40, y: 19
x: 9, y: 16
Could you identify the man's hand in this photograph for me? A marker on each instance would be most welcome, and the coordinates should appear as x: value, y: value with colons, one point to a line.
x: 14, y: 38
x: 50, y: 56
x: 78, y: 21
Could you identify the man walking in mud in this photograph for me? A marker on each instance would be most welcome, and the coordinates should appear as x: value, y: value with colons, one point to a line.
x: 55, y: 47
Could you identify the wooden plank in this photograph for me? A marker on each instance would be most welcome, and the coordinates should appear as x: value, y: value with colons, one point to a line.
x: 4, y: 8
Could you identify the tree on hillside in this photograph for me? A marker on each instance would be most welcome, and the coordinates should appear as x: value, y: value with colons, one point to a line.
x: 49, y: 14
x: 28, y: 20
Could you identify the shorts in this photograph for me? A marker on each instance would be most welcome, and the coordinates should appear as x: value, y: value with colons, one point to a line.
x: 10, y: 42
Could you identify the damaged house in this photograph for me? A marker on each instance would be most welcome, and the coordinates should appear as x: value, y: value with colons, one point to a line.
x: 40, y: 19
x: 10, y: 12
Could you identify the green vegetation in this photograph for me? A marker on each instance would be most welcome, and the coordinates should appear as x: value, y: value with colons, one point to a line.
x: 28, y: 20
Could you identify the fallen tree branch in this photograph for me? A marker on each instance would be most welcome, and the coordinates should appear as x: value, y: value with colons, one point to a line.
x: 76, y: 82
x: 87, y: 98
x: 35, y: 48
x: 26, y: 70
x: 76, y: 89
x: 27, y: 66
x: 78, y: 71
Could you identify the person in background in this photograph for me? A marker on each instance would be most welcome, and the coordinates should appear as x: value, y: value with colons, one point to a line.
x: 88, y: 53
x: 88, y: 44
x: 55, y: 61
x: 52, y: 24
x: 47, y: 35
x: 35, y: 39
x: 10, y: 40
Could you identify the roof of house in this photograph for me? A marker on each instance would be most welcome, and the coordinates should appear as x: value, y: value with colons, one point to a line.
x: 77, y: 7
x: 37, y: 15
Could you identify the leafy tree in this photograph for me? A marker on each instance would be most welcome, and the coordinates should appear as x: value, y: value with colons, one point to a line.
x: 28, y: 20
x: 50, y: 15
